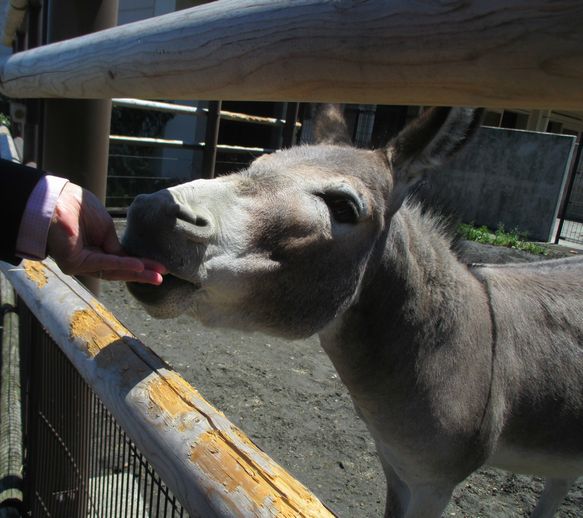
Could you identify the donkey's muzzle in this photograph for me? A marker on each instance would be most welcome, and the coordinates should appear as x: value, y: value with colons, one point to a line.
x: 163, y: 228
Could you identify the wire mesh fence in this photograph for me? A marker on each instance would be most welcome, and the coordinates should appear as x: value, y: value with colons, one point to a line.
x: 79, y: 461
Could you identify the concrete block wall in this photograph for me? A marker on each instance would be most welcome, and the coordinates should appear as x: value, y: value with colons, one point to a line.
x: 509, y: 177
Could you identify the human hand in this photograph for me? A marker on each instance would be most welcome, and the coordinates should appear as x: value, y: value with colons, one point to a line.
x: 82, y: 240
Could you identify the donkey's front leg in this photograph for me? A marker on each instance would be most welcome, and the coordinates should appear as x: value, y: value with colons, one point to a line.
x: 428, y: 501
x: 415, y: 500
x: 398, y: 494
x: 554, y: 493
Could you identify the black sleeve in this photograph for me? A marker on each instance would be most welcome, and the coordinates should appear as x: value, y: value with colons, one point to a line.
x: 16, y: 183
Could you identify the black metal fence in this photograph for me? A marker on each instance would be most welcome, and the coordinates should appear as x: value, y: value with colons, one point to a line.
x: 571, y: 215
x: 78, y: 461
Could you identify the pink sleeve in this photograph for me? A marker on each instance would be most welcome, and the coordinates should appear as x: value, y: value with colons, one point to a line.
x: 34, y: 226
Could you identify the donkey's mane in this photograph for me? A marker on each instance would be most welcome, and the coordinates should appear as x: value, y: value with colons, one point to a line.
x: 436, y: 221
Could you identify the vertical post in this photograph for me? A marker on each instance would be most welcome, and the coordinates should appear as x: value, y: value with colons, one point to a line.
x: 289, y: 129
x: 75, y: 144
x: 538, y: 120
x: 76, y: 132
x: 211, y: 139
x: 571, y: 182
x: 11, y: 459
x: 31, y: 134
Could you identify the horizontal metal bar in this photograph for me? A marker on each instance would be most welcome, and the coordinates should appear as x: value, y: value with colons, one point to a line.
x: 209, y: 464
x: 130, y: 177
x: 181, y: 109
x: 158, y: 142
x: 243, y: 150
x: 159, y: 106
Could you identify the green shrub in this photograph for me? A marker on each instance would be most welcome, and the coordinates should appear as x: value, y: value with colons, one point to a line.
x: 500, y: 237
x: 4, y: 120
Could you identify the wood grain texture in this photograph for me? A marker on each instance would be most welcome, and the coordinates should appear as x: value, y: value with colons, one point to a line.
x: 208, y: 463
x: 493, y: 53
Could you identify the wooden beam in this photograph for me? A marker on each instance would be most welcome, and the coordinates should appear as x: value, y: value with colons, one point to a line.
x: 512, y: 53
x: 208, y: 463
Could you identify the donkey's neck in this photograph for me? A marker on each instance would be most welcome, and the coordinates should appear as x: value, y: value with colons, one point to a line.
x: 412, y: 296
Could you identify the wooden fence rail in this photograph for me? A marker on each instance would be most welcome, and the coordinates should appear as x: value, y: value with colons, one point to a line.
x: 511, y: 53
x: 208, y: 463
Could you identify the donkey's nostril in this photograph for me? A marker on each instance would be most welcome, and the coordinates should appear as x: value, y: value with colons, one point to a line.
x: 190, y: 217
x: 201, y: 222
x: 172, y: 210
x: 193, y: 224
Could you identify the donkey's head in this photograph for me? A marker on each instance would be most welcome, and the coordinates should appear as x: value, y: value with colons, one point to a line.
x: 283, y: 246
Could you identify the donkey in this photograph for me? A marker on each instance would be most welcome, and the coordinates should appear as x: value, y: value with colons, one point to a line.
x: 450, y: 366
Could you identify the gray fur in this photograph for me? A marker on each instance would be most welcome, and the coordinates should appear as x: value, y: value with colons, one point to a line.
x: 450, y: 366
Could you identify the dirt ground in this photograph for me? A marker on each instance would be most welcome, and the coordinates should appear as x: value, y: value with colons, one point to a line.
x: 288, y: 399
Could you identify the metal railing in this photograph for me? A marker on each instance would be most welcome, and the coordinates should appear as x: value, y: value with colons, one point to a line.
x: 122, y: 187
x: 80, y: 462
x: 111, y: 430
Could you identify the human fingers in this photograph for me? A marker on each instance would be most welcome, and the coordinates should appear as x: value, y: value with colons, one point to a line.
x: 111, y: 244
x: 144, y: 277
x: 96, y: 261
x: 155, y: 266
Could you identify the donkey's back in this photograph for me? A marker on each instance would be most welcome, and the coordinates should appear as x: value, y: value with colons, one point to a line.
x: 537, y: 316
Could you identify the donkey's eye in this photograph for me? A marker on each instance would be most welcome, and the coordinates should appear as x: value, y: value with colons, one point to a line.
x: 343, y: 208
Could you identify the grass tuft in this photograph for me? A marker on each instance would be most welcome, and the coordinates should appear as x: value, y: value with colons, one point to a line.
x: 501, y: 237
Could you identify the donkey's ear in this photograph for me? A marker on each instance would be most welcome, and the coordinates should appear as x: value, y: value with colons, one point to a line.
x: 330, y: 126
x: 430, y: 140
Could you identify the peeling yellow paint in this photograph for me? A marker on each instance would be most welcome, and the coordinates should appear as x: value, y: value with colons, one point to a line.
x: 88, y: 326
x: 275, y: 491
x: 165, y: 397
x: 36, y: 272
x: 231, y: 459
x: 111, y: 320
x: 97, y: 328
x: 173, y: 386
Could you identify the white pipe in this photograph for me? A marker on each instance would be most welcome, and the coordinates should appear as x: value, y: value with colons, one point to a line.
x: 159, y: 142
x: 181, y: 109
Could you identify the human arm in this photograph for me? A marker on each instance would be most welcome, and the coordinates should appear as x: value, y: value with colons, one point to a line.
x: 17, y: 182
x: 40, y: 213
